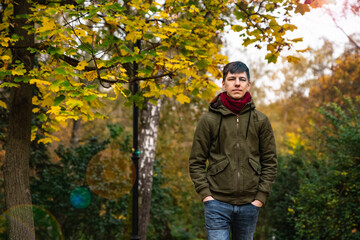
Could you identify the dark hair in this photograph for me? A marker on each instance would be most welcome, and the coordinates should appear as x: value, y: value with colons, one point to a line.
x: 236, y: 67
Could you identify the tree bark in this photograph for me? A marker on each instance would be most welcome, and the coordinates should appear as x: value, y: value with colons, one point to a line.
x: 75, y: 133
x: 150, y: 122
x: 16, y: 166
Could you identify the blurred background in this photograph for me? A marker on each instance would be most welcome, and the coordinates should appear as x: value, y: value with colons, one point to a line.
x: 81, y: 183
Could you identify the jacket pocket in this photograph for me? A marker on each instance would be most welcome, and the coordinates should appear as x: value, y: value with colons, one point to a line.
x: 221, y: 176
x: 252, y: 176
x: 255, y: 165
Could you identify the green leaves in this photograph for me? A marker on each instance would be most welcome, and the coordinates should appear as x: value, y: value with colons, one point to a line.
x: 58, y: 100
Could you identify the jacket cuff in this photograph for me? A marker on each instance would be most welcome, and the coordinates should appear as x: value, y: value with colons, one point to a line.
x: 204, y: 193
x: 261, y: 196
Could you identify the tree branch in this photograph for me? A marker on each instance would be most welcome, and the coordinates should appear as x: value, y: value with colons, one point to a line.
x: 347, y: 35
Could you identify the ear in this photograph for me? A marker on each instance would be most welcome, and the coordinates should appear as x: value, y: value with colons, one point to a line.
x: 223, y: 85
x: 248, y: 86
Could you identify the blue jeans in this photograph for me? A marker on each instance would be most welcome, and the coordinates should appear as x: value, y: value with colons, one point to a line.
x: 221, y: 218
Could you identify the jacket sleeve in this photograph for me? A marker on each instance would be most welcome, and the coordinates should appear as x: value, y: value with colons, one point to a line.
x: 198, y: 156
x: 268, y: 160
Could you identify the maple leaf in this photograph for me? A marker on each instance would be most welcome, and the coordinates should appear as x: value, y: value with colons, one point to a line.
x: 302, y: 8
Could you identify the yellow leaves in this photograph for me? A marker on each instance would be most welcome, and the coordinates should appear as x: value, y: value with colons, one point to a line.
x: 191, y: 48
x: 3, y: 104
x: 5, y: 58
x: 154, y: 90
x: 5, y: 41
x: 112, y: 20
x: 210, y: 89
x: 133, y: 36
x: 90, y: 76
x: 118, y: 88
x: 303, y: 50
x: 47, y: 25
x: 74, y: 103
x: 39, y: 82
x: 237, y: 28
x: 3, y: 26
x: 96, y: 19
x: 45, y: 140
x: 8, y: 84
x: 215, y: 71
x: 255, y: 18
x: 48, y: 138
x: 35, y: 100
x: 292, y: 59
x: 170, y: 29
x: 297, y: 40
x: 164, y: 15
x: 193, y: 9
x: 167, y: 93
x: 182, y: 98
x: 80, y: 33
x: 62, y: 119
x: 81, y: 65
x: 294, y: 140
x: 289, y: 27
x: 18, y: 71
x: 54, y: 110
x: 291, y: 211
x: 175, y: 45
x: 33, y: 133
x: 47, y: 100
x: 162, y: 36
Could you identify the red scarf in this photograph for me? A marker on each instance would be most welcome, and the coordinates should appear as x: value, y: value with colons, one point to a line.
x: 235, y: 105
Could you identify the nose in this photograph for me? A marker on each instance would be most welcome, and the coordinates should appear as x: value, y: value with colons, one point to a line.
x: 237, y: 81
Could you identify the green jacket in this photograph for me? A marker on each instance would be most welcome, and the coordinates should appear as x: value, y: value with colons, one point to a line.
x: 241, y: 155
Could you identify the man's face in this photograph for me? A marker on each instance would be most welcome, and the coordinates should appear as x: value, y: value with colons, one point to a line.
x: 236, y: 85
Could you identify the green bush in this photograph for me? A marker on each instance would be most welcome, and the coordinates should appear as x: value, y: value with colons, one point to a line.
x: 61, y: 188
x: 328, y: 203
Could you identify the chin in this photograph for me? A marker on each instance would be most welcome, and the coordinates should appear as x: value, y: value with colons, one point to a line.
x: 237, y: 97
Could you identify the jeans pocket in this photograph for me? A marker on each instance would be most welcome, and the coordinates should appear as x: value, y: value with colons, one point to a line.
x: 256, y: 207
x: 209, y: 202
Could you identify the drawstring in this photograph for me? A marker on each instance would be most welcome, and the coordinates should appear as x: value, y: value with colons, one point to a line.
x: 219, y: 131
x: 247, y: 128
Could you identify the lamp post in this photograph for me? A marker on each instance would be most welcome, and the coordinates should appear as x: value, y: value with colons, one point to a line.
x: 135, y: 155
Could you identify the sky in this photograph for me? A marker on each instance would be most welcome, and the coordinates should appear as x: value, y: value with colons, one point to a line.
x: 313, y: 26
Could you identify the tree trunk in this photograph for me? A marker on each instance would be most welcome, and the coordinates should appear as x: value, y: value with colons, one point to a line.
x: 75, y: 133
x: 16, y: 166
x: 149, y: 127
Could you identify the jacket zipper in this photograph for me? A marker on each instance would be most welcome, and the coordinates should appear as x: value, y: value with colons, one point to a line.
x: 238, y: 152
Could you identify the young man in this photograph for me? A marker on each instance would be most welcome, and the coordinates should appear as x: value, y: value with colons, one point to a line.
x: 239, y: 145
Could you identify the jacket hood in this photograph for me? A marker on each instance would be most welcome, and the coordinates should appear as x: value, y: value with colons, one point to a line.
x: 216, y: 105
